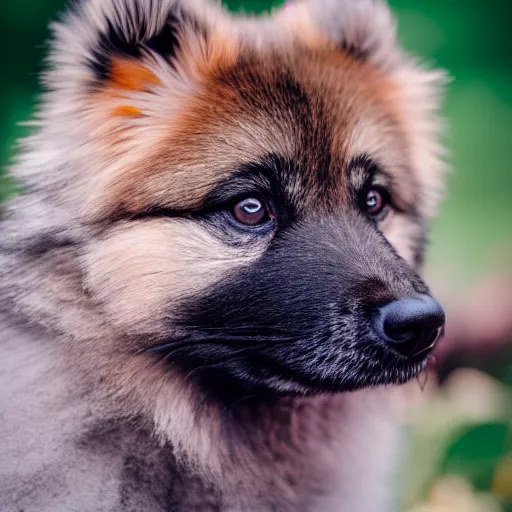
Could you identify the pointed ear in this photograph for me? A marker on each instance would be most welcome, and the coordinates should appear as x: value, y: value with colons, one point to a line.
x: 363, y: 28
x: 123, y: 58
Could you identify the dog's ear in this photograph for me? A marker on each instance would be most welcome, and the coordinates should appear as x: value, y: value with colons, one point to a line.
x: 125, y: 58
x: 363, y: 28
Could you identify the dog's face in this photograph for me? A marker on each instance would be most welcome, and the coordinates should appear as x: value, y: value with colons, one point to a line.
x: 257, y: 192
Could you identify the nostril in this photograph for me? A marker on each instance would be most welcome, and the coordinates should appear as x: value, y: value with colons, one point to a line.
x: 410, y: 326
x: 399, y: 333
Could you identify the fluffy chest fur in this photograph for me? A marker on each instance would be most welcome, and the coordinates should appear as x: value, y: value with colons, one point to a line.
x: 61, y: 450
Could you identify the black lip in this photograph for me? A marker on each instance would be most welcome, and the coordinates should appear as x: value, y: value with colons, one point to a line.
x: 398, y: 363
x: 262, y: 371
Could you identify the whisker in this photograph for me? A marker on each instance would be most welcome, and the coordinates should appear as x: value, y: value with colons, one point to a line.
x: 198, y: 338
x: 240, y: 327
x: 218, y: 363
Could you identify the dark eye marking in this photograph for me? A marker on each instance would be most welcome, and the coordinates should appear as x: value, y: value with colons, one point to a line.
x: 252, y: 199
x: 373, y: 188
x: 249, y: 181
x: 255, y: 189
x: 362, y: 171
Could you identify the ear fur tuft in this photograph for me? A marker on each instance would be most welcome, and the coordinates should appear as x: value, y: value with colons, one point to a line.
x: 132, y: 37
x: 362, y: 28
x: 97, y: 34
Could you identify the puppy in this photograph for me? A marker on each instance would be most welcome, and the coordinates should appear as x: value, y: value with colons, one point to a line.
x: 210, y: 279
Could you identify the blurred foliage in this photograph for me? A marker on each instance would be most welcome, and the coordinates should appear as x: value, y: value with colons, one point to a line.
x: 461, y: 457
x: 475, y: 452
x: 462, y: 448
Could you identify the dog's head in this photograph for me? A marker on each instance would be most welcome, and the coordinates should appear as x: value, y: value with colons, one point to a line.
x: 256, y: 191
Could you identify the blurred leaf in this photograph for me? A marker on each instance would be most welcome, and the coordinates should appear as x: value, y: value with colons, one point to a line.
x: 251, y: 5
x: 476, y: 452
x: 502, y: 481
x: 7, y: 187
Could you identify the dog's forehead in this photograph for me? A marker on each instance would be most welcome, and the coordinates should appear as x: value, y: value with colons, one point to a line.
x: 316, y: 115
x: 316, y: 111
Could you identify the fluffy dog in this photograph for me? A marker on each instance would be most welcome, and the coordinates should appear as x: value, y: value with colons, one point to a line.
x: 210, y: 278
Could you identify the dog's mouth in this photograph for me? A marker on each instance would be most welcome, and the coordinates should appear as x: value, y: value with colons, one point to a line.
x: 256, y: 364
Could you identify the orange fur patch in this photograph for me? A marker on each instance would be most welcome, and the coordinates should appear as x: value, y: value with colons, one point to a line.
x: 128, y: 111
x: 131, y: 75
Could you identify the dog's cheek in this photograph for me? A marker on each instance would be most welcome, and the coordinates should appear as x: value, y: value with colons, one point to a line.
x: 141, y: 271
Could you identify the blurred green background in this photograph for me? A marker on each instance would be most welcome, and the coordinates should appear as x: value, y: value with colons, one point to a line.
x: 471, y: 240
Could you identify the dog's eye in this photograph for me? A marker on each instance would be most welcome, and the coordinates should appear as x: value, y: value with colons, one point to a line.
x: 251, y: 212
x: 376, y: 203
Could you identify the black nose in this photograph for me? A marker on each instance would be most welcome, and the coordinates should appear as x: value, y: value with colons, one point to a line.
x: 410, y: 326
